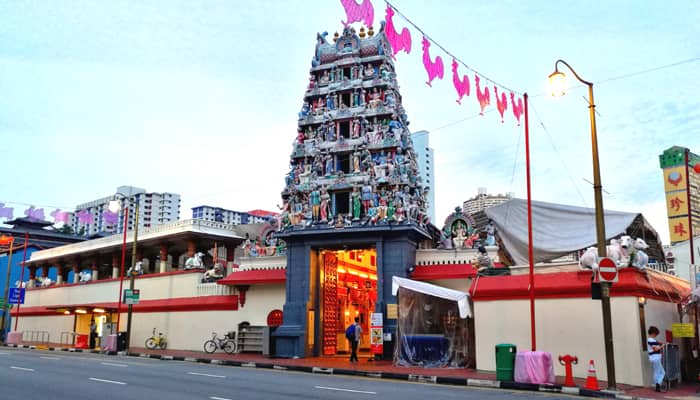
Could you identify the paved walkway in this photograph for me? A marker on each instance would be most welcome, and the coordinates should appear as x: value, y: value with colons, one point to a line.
x: 385, y: 369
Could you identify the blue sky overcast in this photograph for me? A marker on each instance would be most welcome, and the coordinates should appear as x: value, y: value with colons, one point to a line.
x: 201, y: 98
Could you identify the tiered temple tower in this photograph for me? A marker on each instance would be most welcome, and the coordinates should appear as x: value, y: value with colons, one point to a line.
x: 354, y: 206
x: 353, y: 161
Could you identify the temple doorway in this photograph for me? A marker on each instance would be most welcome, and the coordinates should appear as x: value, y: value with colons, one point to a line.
x: 347, y: 289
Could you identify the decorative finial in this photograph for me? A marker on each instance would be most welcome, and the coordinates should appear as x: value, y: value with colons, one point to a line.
x: 336, y: 36
x: 371, y: 31
x: 362, y: 33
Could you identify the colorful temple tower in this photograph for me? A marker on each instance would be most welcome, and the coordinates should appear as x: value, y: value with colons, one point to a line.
x: 355, y: 208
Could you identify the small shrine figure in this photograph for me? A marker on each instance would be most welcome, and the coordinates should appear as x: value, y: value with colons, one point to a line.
x: 395, y: 127
x: 369, y: 71
x: 330, y: 102
x: 356, y: 203
x: 356, y: 162
x: 460, y: 237
x: 325, y: 206
x: 332, y: 75
x: 330, y: 132
x: 300, y: 137
x: 325, y: 78
x: 363, y: 97
x: 490, y: 234
x: 366, y: 197
x: 305, y: 108
x: 384, y: 71
x: 340, y: 221
x: 389, y: 99
x: 355, y: 128
x: 376, y: 101
x: 315, y: 201
x: 329, y: 164
x: 353, y: 72
x: 400, y: 213
x: 312, y: 82
x: 382, y: 208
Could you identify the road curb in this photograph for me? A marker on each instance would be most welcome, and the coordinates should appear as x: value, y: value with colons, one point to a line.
x: 453, y: 381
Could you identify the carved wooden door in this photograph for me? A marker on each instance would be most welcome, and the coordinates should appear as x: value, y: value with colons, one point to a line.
x: 330, y: 303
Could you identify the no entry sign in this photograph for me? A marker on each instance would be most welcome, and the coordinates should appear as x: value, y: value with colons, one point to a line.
x: 607, y: 270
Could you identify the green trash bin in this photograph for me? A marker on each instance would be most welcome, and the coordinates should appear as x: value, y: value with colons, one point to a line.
x: 505, y: 361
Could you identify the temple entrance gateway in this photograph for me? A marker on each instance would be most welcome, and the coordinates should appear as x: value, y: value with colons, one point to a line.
x: 347, y: 289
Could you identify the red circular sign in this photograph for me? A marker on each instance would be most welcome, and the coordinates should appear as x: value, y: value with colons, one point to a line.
x: 607, y: 269
x: 696, y: 168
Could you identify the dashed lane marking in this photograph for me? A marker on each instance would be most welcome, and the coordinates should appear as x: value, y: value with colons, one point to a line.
x: 218, y: 398
x: 343, y: 390
x: 114, y: 364
x: 50, y: 358
x: 107, y: 381
x: 209, y: 375
x: 23, y: 369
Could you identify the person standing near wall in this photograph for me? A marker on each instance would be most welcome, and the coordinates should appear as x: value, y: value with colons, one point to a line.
x: 654, y: 348
x: 354, y: 333
x: 93, y: 333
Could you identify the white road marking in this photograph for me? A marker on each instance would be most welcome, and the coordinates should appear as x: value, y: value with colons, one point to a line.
x: 212, y: 376
x: 4, y: 354
x: 107, y: 381
x: 114, y: 365
x: 50, y: 358
x: 23, y: 369
x: 344, y: 390
x: 218, y: 398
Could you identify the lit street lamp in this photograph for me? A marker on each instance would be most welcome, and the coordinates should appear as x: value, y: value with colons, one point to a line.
x: 557, y: 81
x: 114, y: 207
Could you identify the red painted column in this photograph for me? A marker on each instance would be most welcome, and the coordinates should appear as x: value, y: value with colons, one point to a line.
x: 32, y: 277
x: 59, y: 273
x: 76, y: 271
x: 115, y: 265
x: 163, y: 258
x: 191, y: 248
x: 230, y: 255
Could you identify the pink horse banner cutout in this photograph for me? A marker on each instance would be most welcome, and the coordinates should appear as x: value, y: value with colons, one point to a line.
x: 501, y: 102
x: 60, y: 216
x: 398, y: 41
x: 435, y: 69
x: 355, y: 12
x: 6, y: 212
x: 483, y: 97
x: 36, y: 214
x: 461, y: 85
x: 518, y: 108
x: 110, y: 217
x: 84, y: 217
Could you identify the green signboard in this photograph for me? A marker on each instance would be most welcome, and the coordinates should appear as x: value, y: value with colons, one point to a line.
x: 131, y: 296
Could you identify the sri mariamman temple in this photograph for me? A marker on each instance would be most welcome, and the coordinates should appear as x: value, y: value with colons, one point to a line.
x: 353, y: 240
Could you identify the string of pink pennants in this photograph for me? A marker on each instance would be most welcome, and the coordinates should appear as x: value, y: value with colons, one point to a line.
x: 401, y: 41
x: 37, y: 214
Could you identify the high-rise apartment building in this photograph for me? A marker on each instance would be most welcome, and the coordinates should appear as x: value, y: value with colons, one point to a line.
x: 218, y: 214
x: 484, y: 200
x: 154, y: 209
x: 426, y: 167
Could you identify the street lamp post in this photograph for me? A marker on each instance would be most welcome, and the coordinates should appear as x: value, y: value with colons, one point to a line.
x: 557, y: 82
x: 6, y: 240
x: 114, y: 206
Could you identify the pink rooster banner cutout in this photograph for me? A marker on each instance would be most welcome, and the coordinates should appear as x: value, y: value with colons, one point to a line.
x: 398, y: 41
x: 6, y: 212
x: 518, y: 108
x: 358, y: 12
x: 36, y: 214
x: 435, y: 69
x: 110, y: 217
x: 60, y: 216
x: 84, y: 217
x: 501, y: 101
x: 461, y: 85
x: 483, y: 97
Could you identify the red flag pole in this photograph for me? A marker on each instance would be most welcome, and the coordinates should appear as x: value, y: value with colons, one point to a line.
x: 529, y: 228
x: 21, y: 276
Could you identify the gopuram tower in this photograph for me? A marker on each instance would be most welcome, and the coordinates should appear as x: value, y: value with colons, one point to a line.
x: 354, y: 206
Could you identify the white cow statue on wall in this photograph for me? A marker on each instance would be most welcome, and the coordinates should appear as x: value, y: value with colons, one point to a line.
x: 195, y: 262
x: 44, y: 282
x: 84, y: 277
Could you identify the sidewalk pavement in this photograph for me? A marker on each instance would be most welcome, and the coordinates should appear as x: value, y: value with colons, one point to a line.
x: 385, y: 369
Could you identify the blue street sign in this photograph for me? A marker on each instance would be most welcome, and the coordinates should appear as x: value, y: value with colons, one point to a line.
x: 16, y: 296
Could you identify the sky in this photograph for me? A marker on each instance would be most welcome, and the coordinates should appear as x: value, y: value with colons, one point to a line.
x: 201, y: 98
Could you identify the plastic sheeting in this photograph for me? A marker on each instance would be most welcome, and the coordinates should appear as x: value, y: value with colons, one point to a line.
x: 557, y: 229
x: 432, y: 325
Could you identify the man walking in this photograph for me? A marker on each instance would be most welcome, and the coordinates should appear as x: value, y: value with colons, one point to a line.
x: 355, y: 339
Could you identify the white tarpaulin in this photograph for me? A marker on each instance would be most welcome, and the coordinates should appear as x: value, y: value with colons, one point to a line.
x: 557, y: 229
x: 461, y: 298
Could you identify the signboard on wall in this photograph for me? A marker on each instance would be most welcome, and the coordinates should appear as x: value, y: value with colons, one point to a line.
x: 683, y: 330
x: 376, y: 333
x: 392, y: 311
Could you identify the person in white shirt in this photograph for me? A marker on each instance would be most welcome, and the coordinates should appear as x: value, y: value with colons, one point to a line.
x: 654, y: 349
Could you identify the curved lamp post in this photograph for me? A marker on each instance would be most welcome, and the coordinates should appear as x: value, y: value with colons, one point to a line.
x: 557, y: 82
x: 114, y: 206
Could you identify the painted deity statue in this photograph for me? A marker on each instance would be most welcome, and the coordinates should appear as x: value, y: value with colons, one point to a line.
x: 356, y: 203
x: 315, y: 201
x: 366, y: 197
x: 325, y: 206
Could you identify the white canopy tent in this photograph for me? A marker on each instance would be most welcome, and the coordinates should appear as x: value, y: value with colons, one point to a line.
x: 461, y: 298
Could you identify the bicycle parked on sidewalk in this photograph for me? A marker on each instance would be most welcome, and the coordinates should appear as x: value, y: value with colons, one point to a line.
x: 226, y: 343
x: 156, y: 341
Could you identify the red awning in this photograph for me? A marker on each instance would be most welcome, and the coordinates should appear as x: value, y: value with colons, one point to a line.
x: 255, y: 277
x: 443, y: 271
